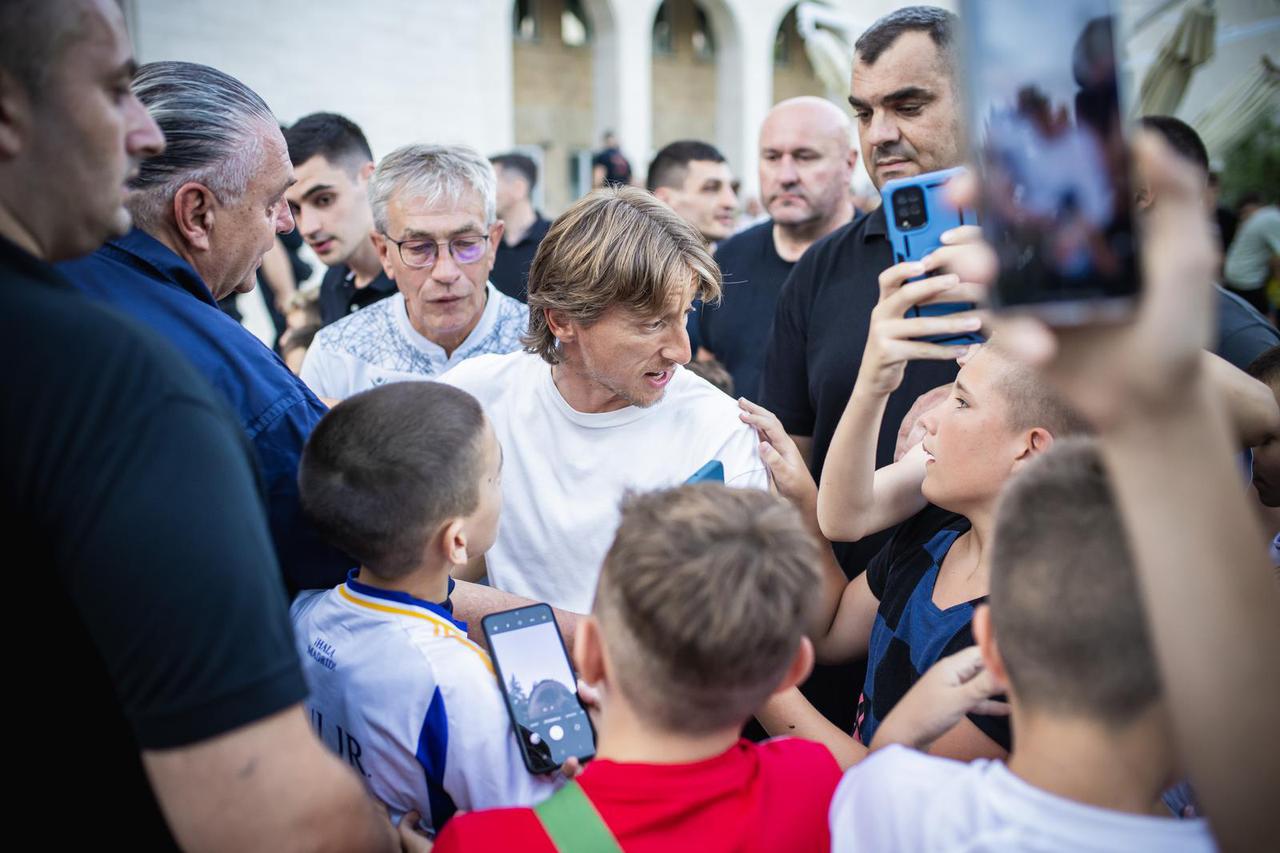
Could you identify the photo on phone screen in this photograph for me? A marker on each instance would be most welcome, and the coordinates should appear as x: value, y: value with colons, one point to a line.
x: 540, y: 688
x: 1045, y: 119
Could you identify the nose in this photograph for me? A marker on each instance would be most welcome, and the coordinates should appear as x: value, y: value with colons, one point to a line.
x: 676, y: 347
x: 302, y: 219
x: 284, y: 217
x: 143, y: 137
x: 787, y: 172
x: 445, y: 270
x: 880, y: 129
x: 929, y: 420
x: 728, y: 198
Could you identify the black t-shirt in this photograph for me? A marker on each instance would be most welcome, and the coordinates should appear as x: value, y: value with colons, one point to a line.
x: 157, y: 615
x: 815, y: 349
x: 737, y: 329
x: 339, y: 295
x: 616, y: 168
x: 1243, y: 333
x: 911, y: 633
x: 510, y: 273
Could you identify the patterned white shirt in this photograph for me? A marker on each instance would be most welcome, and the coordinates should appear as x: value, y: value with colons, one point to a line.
x: 377, y: 345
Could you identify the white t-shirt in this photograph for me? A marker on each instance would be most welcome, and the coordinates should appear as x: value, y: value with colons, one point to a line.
x: 900, y: 799
x: 565, y: 471
x: 403, y: 697
x: 377, y: 345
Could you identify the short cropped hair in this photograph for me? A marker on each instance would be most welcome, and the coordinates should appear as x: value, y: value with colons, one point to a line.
x: 434, y: 173
x: 34, y: 35
x: 386, y: 467
x: 517, y: 162
x: 703, y: 599
x: 212, y: 129
x: 615, y: 246
x: 1065, y: 604
x: 1031, y: 401
x: 1266, y: 368
x: 336, y: 138
x: 880, y: 36
x: 671, y: 165
x: 1181, y: 137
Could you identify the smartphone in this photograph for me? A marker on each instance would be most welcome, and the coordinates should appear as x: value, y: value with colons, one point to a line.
x: 1044, y: 103
x: 539, y: 686
x: 917, y: 215
x: 712, y: 472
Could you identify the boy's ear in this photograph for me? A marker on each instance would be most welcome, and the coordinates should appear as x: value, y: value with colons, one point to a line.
x: 1038, y: 440
x: 588, y: 651
x: 451, y: 542
x: 800, y: 667
x: 984, y: 634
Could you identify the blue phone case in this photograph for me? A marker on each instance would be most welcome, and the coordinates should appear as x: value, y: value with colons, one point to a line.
x: 914, y: 244
x: 712, y: 472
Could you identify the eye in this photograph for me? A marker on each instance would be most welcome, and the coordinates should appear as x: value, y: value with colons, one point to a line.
x: 655, y: 325
x: 961, y: 403
x: 324, y: 200
x: 862, y: 115
x: 910, y: 109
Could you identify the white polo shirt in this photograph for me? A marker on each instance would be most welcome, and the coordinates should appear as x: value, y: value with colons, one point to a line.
x: 378, y: 344
x: 565, y: 471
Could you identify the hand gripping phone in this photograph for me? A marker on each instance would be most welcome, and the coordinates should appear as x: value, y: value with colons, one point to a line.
x: 537, y: 681
x: 917, y: 214
x: 1045, y: 118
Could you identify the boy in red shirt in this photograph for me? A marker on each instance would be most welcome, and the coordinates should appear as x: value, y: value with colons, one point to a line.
x: 699, y: 616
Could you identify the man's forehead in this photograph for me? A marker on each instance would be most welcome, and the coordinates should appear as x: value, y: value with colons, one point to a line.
x: 701, y: 170
x: 441, y: 217
x: 314, y: 172
x: 101, y: 36
x: 913, y: 60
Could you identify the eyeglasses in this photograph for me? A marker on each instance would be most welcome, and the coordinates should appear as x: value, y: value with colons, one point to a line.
x: 421, y: 254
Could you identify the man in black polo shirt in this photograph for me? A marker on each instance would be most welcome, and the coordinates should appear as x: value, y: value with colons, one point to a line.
x: 908, y: 112
x: 523, y: 228
x: 330, y: 204
x: 806, y: 162
x: 169, y: 711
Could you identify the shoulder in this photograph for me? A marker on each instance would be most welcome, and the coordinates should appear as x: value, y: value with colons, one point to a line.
x: 927, y: 523
x: 494, y: 829
x: 805, y: 759
x: 886, y: 795
x: 692, y: 396
x: 362, y: 333
x: 491, y: 371
x: 745, y: 240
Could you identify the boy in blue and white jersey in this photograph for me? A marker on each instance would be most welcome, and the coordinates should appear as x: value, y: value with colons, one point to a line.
x: 407, y: 479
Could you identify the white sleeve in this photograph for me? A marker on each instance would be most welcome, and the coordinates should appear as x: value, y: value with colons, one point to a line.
x: 484, y: 768
x: 323, y: 372
x: 740, y: 455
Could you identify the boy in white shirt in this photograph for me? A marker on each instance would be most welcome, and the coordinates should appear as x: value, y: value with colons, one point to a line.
x: 1093, y: 748
x: 407, y: 479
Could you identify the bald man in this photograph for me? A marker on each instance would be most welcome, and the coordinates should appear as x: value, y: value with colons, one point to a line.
x: 807, y: 158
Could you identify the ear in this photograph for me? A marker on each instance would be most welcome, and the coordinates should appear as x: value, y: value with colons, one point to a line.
x: 800, y: 667
x: 564, y: 330
x: 588, y: 651
x: 453, y: 541
x: 1143, y: 197
x: 495, y: 234
x: 366, y: 172
x: 15, y: 116
x: 385, y: 248
x: 663, y: 194
x: 984, y: 634
x: 193, y: 214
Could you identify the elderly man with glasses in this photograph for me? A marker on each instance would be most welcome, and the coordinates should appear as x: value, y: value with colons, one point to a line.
x: 436, y: 231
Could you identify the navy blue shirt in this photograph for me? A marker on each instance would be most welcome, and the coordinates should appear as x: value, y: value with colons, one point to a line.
x: 146, y: 280
x: 510, y: 273
x: 1243, y: 333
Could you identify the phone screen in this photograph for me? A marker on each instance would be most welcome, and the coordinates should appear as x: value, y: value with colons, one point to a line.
x: 1044, y: 106
x: 540, y: 687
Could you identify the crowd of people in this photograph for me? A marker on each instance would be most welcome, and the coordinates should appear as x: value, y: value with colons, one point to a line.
x: 1038, y: 561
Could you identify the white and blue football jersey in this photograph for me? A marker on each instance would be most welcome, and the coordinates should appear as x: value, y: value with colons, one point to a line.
x: 400, y: 693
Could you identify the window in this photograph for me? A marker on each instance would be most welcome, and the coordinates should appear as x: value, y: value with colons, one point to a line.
x: 704, y: 43
x: 575, y: 26
x: 663, y: 36
x: 524, y: 23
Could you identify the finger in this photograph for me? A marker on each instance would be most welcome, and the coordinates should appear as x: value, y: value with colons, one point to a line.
x: 974, y: 261
x: 992, y: 708
x: 893, y: 278
x: 964, y: 291
x: 571, y: 767
x: 909, y: 328
x: 1025, y: 338
x: 962, y: 190
x: 897, y: 303
x: 966, y: 664
x: 961, y: 234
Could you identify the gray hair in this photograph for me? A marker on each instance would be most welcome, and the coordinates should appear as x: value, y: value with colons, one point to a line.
x: 211, y: 123
x: 433, y: 173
